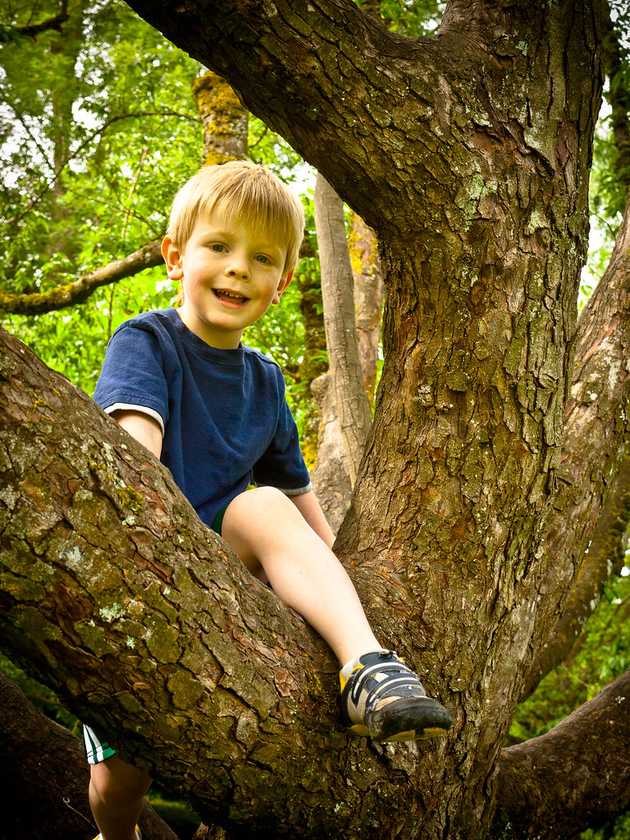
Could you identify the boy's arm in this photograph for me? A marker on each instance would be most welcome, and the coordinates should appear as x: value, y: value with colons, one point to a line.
x: 310, y: 509
x: 143, y: 428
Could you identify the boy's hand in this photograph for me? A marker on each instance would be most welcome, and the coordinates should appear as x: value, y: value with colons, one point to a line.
x: 143, y: 428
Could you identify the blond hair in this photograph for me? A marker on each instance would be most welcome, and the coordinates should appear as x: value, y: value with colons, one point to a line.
x: 244, y: 190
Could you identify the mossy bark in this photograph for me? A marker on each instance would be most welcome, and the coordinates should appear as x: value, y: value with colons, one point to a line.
x: 223, y: 117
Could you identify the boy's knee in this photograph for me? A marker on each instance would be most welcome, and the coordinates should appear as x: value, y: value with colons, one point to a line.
x: 263, y: 501
x: 115, y: 782
x: 268, y: 497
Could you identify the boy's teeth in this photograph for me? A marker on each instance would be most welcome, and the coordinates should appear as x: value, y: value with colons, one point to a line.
x: 229, y: 294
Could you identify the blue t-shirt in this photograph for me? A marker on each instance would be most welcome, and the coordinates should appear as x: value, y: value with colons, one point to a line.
x: 223, y: 413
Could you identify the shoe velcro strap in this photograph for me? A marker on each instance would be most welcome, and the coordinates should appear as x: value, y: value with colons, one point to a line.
x: 388, y: 670
x: 403, y: 686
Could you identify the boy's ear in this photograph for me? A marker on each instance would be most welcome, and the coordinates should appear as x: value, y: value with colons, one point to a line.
x: 172, y: 258
x: 282, y: 285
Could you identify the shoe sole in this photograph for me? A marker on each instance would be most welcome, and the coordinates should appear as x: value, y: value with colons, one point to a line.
x: 406, y: 735
x: 409, y: 721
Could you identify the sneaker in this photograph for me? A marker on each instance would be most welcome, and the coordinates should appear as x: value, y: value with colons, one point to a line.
x: 138, y: 835
x: 384, y: 700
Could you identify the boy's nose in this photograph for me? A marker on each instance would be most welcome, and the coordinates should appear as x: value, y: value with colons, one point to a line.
x: 237, y: 268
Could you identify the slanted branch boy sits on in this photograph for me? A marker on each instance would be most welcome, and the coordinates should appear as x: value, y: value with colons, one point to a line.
x: 180, y: 382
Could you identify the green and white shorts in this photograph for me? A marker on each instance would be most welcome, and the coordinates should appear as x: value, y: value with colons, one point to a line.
x: 96, y: 749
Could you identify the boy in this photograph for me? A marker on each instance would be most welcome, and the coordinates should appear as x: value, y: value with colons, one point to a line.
x: 182, y: 384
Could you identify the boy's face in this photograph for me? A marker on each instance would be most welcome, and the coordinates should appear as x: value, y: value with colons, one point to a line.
x: 230, y: 275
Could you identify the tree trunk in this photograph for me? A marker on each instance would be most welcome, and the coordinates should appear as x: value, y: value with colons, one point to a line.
x: 331, y: 479
x: 356, y: 273
x: 469, y: 155
x: 351, y: 406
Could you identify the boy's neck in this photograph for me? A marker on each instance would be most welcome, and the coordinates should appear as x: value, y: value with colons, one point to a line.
x: 213, y: 338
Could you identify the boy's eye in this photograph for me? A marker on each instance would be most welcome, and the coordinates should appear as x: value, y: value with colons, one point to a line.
x: 263, y: 258
x: 219, y: 247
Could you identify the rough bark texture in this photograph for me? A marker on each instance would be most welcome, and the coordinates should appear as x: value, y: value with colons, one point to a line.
x: 596, y: 502
x: 469, y: 154
x: 44, y: 778
x: 575, y: 776
x: 351, y: 406
x: 117, y: 595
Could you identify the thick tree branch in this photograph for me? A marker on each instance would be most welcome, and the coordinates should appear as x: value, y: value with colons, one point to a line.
x: 290, y: 60
x: 80, y: 290
x: 116, y: 594
x: 594, y: 485
x: 44, y: 777
x: 603, y: 558
x: 574, y: 777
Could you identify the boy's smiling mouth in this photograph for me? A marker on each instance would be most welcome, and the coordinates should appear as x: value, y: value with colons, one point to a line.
x: 229, y: 297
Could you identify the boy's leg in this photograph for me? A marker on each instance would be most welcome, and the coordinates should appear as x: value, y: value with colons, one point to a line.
x: 266, y: 529
x: 117, y: 791
x: 381, y: 697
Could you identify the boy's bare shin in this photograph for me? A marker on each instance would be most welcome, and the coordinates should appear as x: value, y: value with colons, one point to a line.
x: 116, y: 793
x: 264, y: 527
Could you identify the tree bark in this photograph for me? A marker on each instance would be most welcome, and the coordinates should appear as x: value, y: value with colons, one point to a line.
x: 136, y: 614
x: 368, y: 299
x: 44, y: 777
x: 223, y: 117
x: 575, y: 777
x: 362, y: 281
x: 469, y: 154
x: 593, y: 474
x: 331, y: 479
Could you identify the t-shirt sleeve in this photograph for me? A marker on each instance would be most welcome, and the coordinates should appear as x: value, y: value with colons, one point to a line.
x: 133, y: 376
x: 282, y: 465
